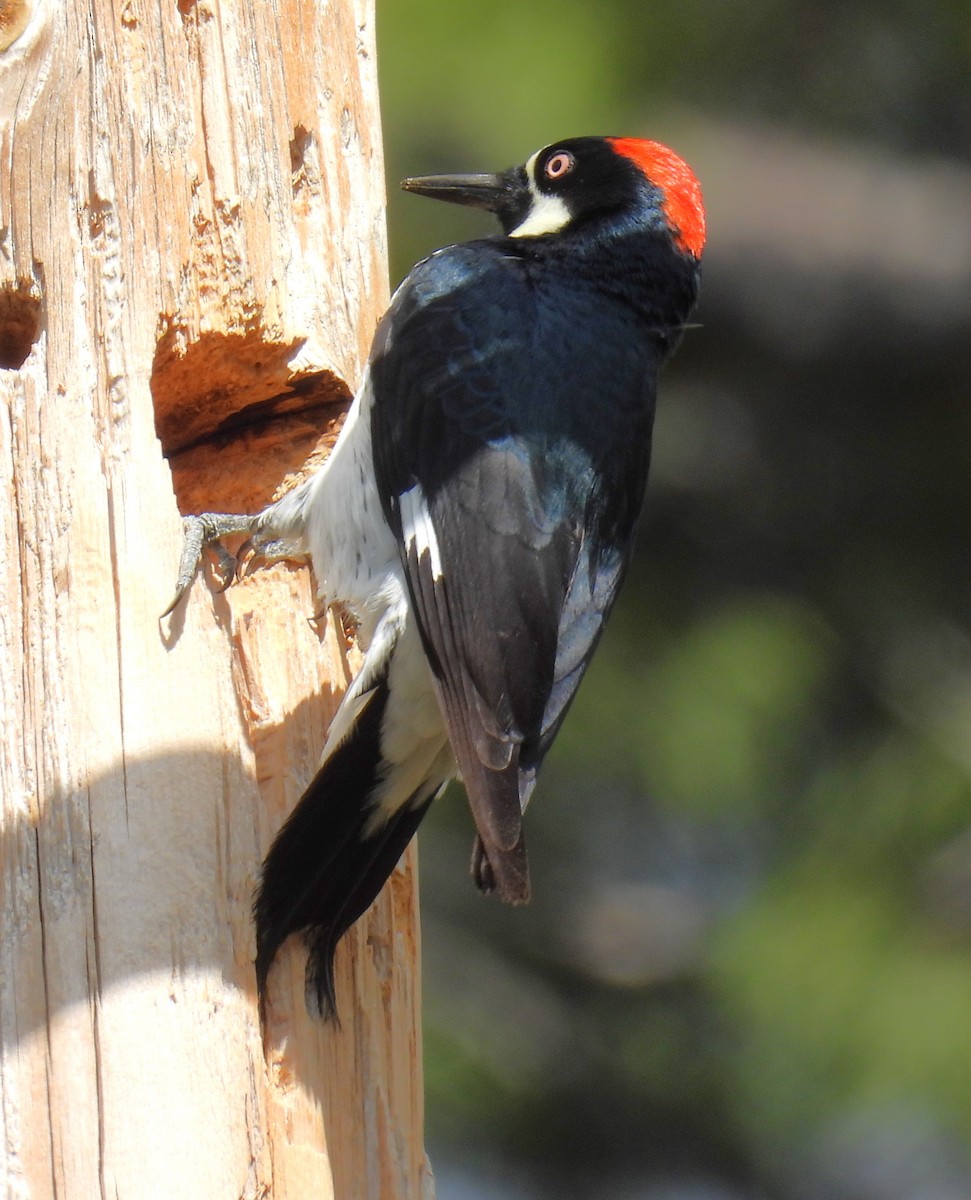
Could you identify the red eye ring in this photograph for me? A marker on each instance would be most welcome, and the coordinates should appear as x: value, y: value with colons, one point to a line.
x: 559, y: 164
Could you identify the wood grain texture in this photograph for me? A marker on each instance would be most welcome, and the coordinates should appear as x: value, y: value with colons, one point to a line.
x: 192, y: 263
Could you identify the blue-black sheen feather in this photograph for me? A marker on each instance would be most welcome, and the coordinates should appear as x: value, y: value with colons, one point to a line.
x: 519, y: 395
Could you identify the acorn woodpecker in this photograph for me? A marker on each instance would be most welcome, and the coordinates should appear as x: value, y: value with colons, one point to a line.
x: 477, y: 516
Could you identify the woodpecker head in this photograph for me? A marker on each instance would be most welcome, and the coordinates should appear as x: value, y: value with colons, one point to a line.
x: 583, y: 182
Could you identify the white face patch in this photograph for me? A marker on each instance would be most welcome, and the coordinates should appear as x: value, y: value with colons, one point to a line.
x: 547, y: 214
x: 417, y: 529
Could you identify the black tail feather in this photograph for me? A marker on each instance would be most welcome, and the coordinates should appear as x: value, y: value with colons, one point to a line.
x: 321, y: 872
x: 371, y: 862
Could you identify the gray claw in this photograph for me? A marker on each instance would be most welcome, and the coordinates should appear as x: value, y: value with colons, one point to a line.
x: 202, y: 532
x: 225, y: 565
x: 257, y: 552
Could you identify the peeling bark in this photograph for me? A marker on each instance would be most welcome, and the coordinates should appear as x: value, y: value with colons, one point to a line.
x: 192, y: 263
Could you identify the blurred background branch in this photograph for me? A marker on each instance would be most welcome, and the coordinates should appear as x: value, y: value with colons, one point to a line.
x: 746, y: 972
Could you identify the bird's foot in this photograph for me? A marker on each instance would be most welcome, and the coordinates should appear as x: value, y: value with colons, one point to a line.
x: 204, y: 533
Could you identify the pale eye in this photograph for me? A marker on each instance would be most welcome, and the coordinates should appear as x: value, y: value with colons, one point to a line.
x: 559, y: 165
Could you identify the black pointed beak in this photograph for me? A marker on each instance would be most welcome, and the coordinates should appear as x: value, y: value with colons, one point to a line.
x: 477, y: 191
x: 507, y: 194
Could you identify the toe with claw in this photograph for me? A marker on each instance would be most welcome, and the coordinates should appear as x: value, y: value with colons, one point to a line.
x: 203, y: 532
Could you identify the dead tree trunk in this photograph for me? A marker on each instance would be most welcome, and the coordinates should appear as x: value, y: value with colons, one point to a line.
x: 192, y: 262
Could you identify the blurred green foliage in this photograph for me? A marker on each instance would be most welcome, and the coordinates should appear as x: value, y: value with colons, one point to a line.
x: 746, y: 972
x: 737, y: 686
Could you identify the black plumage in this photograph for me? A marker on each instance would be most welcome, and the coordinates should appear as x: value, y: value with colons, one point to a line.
x: 322, y: 872
x: 515, y: 385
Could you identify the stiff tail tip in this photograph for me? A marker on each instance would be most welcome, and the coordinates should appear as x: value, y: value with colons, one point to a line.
x: 320, y: 991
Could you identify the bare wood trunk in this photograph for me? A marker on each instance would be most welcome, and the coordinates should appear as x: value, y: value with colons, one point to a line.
x: 192, y: 262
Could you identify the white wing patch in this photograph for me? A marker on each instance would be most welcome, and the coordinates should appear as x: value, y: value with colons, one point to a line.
x: 547, y: 214
x: 417, y: 529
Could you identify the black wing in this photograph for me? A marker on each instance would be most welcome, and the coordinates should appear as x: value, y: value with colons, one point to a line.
x: 511, y: 456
